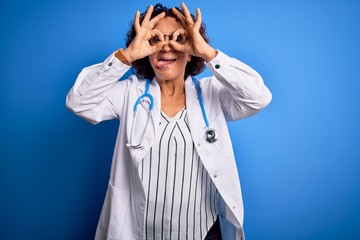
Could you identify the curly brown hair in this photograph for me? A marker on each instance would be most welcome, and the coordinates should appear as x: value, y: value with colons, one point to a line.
x: 143, y: 67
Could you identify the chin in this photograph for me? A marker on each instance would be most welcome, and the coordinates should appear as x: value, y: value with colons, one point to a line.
x: 163, y: 76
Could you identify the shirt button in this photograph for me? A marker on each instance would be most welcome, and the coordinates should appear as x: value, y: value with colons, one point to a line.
x: 199, y: 144
x: 217, y: 66
x: 215, y: 175
x: 234, y: 207
x: 110, y: 64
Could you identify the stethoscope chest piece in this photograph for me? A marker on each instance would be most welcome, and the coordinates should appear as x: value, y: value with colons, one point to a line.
x: 211, y: 135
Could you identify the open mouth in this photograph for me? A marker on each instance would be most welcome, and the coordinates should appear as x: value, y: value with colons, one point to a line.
x: 165, y: 62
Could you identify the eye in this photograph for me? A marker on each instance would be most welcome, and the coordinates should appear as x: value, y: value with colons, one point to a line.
x: 179, y: 38
x: 154, y: 40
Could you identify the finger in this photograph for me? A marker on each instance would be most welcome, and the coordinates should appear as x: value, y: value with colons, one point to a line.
x: 156, y: 19
x: 155, y: 37
x: 148, y: 14
x: 198, y: 19
x: 179, y: 16
x: 157, y: 33
x: 159, y: 46
x: 137, y: 21
x: 177, y: 33
x: 160, y: 42
x: 187, y: 13
x: 177, y: 46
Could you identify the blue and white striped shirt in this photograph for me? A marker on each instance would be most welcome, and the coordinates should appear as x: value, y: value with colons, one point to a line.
x: 181, y: 197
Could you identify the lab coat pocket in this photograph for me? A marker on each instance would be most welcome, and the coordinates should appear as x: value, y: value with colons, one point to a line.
x: 115, y: 208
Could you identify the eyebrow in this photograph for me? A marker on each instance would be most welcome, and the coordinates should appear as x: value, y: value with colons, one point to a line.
x: 169, y: 35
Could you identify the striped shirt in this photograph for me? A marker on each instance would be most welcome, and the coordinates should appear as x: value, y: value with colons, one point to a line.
x: 181, y: 197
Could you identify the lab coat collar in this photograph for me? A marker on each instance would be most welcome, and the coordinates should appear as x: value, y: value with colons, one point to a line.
x: 195, y: 118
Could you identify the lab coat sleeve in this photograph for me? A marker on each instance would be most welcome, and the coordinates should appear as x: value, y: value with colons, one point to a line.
x: 97, y: 95
x: 241, y: 89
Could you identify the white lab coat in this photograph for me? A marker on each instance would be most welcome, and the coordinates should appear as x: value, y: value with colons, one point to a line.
x: 234, y: 92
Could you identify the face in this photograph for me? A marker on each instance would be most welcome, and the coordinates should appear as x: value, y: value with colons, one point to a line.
x: 169, y: 64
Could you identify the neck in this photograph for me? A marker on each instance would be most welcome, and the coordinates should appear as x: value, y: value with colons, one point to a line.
x: 171, y: 88
x: 172, y: 96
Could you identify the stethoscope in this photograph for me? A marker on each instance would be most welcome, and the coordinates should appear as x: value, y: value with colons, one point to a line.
x: 211, y: 135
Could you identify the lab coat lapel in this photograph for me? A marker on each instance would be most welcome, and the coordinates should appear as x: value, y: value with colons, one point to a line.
x: 195, y: 118
x: 150, y: 131
x: 155, y: 92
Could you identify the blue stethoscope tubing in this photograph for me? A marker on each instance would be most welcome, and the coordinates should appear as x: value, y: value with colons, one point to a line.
x: 210, y: 134
x: 151, y: 107
x: 146, y: 94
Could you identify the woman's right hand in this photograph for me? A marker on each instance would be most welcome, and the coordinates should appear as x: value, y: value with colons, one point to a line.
x: 140, y: 47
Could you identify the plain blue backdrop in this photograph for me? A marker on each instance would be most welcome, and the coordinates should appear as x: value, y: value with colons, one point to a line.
x: 298, y: 160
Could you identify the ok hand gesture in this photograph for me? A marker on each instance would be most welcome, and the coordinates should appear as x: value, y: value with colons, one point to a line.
x: 140, y: 46
x: 195, y: 44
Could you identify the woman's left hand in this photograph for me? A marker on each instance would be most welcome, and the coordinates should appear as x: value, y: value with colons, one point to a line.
x: 194, y: 43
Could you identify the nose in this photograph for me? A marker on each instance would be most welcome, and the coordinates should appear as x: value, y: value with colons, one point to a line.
x: 168, y: 37
x: 167, y: 47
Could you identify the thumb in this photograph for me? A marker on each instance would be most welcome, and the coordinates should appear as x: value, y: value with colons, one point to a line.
x: 158, y: 46
x: 176, y: 46
x: 178, y: 40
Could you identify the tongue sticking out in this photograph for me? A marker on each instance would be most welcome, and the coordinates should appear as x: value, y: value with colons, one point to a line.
x: 164, y: 62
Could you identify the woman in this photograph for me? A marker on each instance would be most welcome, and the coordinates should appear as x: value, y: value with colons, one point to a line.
x: 173, y: 174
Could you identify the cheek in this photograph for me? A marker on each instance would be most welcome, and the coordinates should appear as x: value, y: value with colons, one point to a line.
x: 185, y: 58
x: 152, y: 60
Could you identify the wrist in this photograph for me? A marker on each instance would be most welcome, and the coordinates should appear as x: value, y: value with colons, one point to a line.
x: 210, y: 55
x: 123, y: 56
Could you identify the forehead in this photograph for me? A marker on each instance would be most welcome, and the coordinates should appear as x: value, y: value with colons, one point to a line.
x: 168, y: 25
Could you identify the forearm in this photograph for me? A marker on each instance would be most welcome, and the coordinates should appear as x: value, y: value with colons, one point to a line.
x: 92, y: 86
x: 243, y: 91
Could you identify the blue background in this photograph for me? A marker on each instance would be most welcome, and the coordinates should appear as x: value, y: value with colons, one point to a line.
x: 298, y: 159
